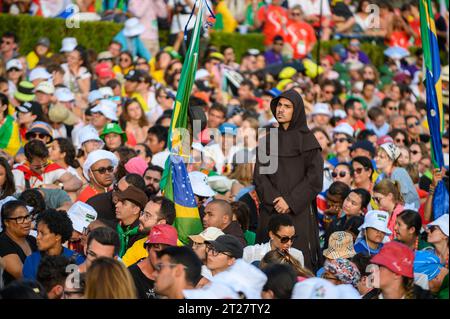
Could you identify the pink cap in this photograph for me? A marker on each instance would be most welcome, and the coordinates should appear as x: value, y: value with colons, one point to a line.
x: 396, y: 257
x: 104, y: 70
x: 384, y: 139
x: 136, y: 165
x: 163, y: 234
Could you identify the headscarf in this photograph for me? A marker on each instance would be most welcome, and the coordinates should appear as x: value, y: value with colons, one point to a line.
x: 344, y: 270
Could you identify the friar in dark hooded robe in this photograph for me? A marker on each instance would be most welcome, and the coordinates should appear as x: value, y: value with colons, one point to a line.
x: 292, y: 188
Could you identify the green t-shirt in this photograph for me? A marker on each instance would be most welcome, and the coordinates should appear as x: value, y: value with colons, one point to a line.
x: 250, y: 237
x: 443, y: 293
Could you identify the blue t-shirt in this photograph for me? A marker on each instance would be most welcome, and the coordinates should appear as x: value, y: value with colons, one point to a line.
x: 361, y: 246
x: 31, y: 264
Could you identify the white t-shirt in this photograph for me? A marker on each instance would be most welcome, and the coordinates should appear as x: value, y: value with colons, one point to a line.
x: 258, y: 251
x: 159, y: 159
x: 312, y: 7
x: 70, y: 80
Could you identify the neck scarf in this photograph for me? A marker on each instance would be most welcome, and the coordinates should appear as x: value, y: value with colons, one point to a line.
x: 124, y: 237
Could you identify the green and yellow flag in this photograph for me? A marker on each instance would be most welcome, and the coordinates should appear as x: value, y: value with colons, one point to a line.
x: 175, y: 182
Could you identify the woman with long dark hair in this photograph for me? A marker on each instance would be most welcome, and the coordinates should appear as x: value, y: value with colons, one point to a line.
x: 7, y: 185
x: 63, y: 153
x: 134, y: 121
x: 77, y: 76
x: 407, y: 230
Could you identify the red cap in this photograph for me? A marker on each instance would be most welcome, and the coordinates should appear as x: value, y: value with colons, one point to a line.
x: 104, y: 70
x: 384, y: 139
x: 396, y: 257
x: 163, y: 234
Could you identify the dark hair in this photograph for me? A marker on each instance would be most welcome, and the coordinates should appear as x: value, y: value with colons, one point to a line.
x: 412, y: 219
x: 350, y: 104
x: 52, y: 271
x: 242, y: 213
x: 224, y: 206
x: 374, y: 112
x: 365, y: 196
x: 220, y: 108
x: 248, y: 83
x: 385, y: 101
x: 67, y: 147
x: 9, y: 187
x: 365, y: 162
x: 411, y: 116
x: 281, y: 279
x: 167, y: 210
x: 361, y: 261
x: 33, y: 197
x: 278, y: 220
x: 148, y: 151
x: 10, y: 207
x: 113, y: 83
x: 155, y: 168
x: 136, y: 180
x: 350, y: 168
x: 4, y: 101
x: 369, y: 82
x: 105, y: 236
x: 35, y: 148
x: 323, y: 131
x: 339, y: 188
x: 397, y: 131
x: 125, y: 154
x: 58, y: 222
x: 187, y: 257
x: 160, y: 132
x: 23, y: 289
x: 364, y: 135
x: 167, y: 114
x: 11, y: 35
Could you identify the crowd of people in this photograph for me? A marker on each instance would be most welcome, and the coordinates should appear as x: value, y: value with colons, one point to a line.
x: 348, y: 212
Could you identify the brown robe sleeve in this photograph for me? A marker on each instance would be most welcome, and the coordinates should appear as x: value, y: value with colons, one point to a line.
x: 264, y: 187
x: 306, y: 191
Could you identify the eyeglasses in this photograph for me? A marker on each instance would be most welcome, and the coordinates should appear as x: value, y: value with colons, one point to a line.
x: 103, y: 170
x: 7, y: 42
x: 215, y: 252
x: 21, y: 219
x: 328, y: 92
x: 415, y: 152
x: 285, y: 239
x: 399, y: 140
x: 393, y: 108
x: 413, y: 124
x: 340, y: 140
x: 341, y: 174
x: 124, y: 60
x: 37, y: 135
x: 359, y: 170
x: 296, y: 14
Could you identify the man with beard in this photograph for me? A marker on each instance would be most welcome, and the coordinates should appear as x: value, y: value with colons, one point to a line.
x: 129, y: 205
x: 158, y: 211
x: 355, y: 114
x: 298, y: 177
x: 152, y: 178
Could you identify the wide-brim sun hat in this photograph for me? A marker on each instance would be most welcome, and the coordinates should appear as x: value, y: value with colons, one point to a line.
x: 133, y: 28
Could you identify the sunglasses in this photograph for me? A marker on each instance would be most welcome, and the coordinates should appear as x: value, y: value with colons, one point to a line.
x: 400, y: 140
x: 286, y: 239
x: 359, y: 170
x: 415, y: 152
x: 14, y: 70
x: 340, y: 140
x: 37, y: 135
x: 413, y: 124
x: 341, y: 174
x: 103, y: 170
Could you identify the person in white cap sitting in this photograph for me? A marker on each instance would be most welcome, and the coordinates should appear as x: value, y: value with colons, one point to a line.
x: 342, y: 140
x: 321, y: 116
x: 98, y: 169
x: 130, y: 40
x: 88, y: 141
x: 64, y: 96
x: 373, y: 233
x: 45, y: 95
x: 38, y: 75
x: 103, y: 113
x: 14, y: 74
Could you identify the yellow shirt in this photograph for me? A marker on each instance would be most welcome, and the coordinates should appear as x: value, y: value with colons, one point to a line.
x: 229, y: 22
x: 33, y: 59
x: 135, y: 253
x: 157, y: 75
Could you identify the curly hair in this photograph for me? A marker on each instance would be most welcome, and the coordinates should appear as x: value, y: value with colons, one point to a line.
x: 58, y: 222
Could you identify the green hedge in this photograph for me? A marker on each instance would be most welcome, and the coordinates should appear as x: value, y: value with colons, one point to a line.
x: 94, y: 35
x: 240, y: 42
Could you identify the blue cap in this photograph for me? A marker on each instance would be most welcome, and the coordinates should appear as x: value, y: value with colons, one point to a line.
x: 339, y: 49
x: 228, y: 128
x: 274, y: 92
x: 426, y: 262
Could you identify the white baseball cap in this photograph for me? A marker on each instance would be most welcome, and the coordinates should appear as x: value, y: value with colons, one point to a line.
x: 321, y: 109
x: 14, y: 63
x: 107, y: 108
x: 81, y: 215
x: 319, y: 288
x: 63, y: 94
x: 442, y: 223
x: 344, y: 128
x: 377, y: 219
x: 69, y: 44
x: 391, y: 150
x: 94, y: 95
x: 39, y: 73
x: 210, y: 233
x: 200, y: 187
x: 45, y: 87
x: 133, y: 27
